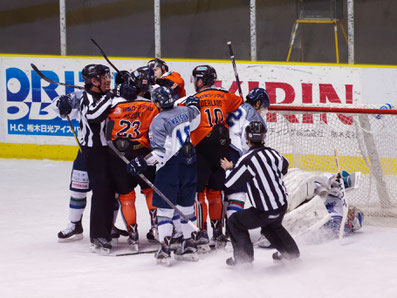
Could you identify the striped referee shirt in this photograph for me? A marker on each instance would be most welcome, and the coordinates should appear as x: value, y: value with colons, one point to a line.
x: 262, y: 170
x: 94, y: 109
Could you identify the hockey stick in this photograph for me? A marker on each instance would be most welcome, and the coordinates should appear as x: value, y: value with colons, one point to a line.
x: 123, y: 158
x: 345, y: 206
x: 104, y: 55
x: 51, y: 81
x: 74, y: 133
x: 63, y: 84
x: 123, y: 254
x: 107, y: 59
x: 229, y: 43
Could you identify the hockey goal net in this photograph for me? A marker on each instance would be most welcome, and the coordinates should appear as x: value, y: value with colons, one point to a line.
x: 365, y: 137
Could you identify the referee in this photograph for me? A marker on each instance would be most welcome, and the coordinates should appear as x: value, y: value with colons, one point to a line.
x: 261, y: 169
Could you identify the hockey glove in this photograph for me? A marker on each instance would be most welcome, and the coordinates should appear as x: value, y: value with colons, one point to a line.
x: 126, y: 91
x: 137, y: 166
x: 64, y: 105
x: 193, y: 101
x: 122, y: 77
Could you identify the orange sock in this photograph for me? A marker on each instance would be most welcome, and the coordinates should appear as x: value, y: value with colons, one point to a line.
x: 128, y: 210
x: 148, y: 192
x: 214, y: 198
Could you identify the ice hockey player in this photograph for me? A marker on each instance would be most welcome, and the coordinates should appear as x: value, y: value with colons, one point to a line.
x: 316, y: 205
x: 257, y: 101
x: 79, y: 182
x: 129, y: 123
x: 261, y: 169
x: 95, y: 103
x: 212, y: 141
x: 175, y: 157
x: 328, y: 185
x: 167, y: 78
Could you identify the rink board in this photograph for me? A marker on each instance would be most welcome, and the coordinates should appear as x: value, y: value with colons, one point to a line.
x: 29, y: 128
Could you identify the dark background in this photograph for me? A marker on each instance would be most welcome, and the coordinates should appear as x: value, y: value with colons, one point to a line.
x: 196, y: 29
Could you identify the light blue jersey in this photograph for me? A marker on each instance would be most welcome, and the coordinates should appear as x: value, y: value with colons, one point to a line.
x: 169, y: 130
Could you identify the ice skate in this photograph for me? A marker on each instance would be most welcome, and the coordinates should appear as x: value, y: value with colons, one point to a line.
x: 202, y: 241
x: 232, y: 262
x: 73, y: 232
x: 263, y: 242
x: 101, y: 246
x: 187, y: 251
x: 280, y: 258
x: 176, y: 241
x: 218, y: 239
x: 163, y: 255
x: 153, y: 234
x: 133, y: 237
x: 116, y: 233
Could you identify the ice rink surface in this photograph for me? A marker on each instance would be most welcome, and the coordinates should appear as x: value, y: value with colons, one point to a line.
x: 34, y: 207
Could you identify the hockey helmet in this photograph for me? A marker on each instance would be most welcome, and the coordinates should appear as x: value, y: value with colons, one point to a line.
x: 255, y: 132
x: 157, y: 62
x: 258, y: 94
x: 346, y: 179
x: 205, y: 72
x: 94, y: 71
x: 143, y: 78
x: 164, y: 96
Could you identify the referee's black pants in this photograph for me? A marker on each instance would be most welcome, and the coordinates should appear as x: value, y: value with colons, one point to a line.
x: 102, y: 201
x: 270, y: 221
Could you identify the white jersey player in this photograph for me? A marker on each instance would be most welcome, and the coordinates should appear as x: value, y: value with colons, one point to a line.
x: 315, y: 204
x: 176, y: 169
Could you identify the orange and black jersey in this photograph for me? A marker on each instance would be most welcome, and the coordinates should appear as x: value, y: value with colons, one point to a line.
x: 174, y: 81
x: 132, y: 120
x: 215, y: 105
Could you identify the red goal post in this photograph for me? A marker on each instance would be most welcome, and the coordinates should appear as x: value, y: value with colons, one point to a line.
x: 365, y: 137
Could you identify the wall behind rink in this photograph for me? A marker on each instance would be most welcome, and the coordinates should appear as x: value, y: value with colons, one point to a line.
x: 29, y: 128
x: 195, y: 29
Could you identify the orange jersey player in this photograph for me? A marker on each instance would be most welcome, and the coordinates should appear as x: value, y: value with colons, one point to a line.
x: 167, y: 78
x: 129, y: 122
x: 211, y: 139
x: 132, y: 120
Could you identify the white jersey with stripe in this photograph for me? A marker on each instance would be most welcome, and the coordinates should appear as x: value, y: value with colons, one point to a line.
x: 238, y: 121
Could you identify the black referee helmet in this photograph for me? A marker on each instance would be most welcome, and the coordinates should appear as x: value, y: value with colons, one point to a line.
x: 255, y: 132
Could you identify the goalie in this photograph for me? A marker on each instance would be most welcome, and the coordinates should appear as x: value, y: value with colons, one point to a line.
x: 315, y: 204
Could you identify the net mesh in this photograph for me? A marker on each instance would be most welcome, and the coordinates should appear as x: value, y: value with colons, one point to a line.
x: 365, y: 142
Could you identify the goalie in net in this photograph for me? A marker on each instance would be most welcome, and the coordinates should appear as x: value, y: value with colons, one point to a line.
x: 315, y: 204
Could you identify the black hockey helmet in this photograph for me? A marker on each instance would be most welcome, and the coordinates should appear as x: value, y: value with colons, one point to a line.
x: 258, y: 94
x: 157, y: 62
x: 206, y: 73
x: 255, y: 132
x: 94, y: 71
x: 164, y: 96
x: 143, y: 78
